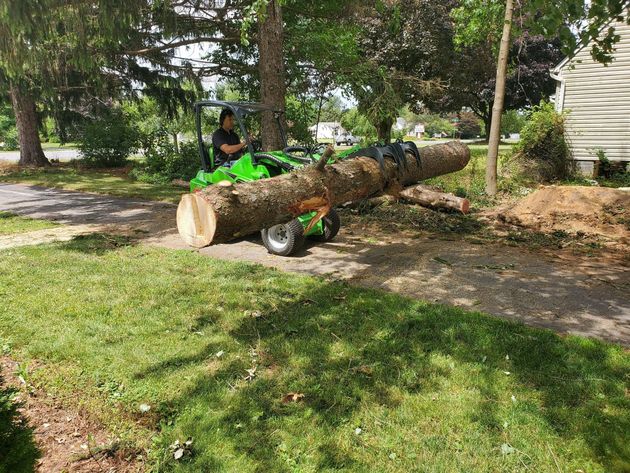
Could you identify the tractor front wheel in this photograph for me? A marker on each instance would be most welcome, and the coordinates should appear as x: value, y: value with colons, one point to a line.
x: 283, y: 239
x: 332, y: 224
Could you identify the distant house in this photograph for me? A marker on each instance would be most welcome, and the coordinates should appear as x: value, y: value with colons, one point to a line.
x: 597, y: 98
x: 418, y: 131
x: 326, y: 130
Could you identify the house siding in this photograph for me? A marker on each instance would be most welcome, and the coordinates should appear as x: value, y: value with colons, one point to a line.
x: 597, y: 98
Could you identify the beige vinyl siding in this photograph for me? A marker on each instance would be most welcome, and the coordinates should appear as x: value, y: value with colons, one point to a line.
x: 598, y: 100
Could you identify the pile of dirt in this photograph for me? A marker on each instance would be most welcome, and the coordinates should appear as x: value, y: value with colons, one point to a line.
x: 573, y: 209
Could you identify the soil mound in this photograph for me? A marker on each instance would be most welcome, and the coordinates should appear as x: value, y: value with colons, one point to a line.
x: 592, y: 210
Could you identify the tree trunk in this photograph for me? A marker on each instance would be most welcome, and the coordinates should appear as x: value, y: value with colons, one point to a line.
x: 31, y: 152
x: 487, y: 121
x: 384, y: 130
x: 223, y: 212
x: 427, y: 197
x: 175, y: 142
x: 272, y: 74
x: 497, y: 108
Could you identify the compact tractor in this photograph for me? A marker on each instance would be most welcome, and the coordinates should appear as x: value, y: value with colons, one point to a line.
x: 283, y: 239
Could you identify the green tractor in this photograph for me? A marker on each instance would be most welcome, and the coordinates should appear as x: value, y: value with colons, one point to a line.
x: 283, y: 239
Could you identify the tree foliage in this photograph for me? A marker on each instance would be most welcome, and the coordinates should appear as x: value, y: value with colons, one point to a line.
x: 543, y: 151
x: 573, y: 22
x: 109, y: 140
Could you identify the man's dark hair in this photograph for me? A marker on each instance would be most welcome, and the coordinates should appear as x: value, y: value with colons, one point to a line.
x: 226, y: 112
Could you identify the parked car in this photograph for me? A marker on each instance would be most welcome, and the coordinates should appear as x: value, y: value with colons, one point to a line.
x: 346, y: 139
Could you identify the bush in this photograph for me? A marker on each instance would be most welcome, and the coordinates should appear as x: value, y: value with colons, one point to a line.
x: 512, y: 121
x: 109, y: 140
x: 10, y: 140
x: 164, y: 163
x: 543, y: 153
x: 468, y: 125
x: 434, y: 124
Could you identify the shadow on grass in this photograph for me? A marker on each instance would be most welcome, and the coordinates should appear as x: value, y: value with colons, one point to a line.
x: 18, y: 451
x: 356, y: 355
x: 345, y: 347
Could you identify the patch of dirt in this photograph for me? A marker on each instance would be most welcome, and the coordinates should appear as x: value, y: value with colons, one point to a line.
x: 573, y: 209
x: 69, y: 440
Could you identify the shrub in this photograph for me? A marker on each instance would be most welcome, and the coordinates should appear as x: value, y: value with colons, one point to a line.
x: 543, y: 152
x: 512, y: 121
x: 468, y: 125
x: 434, y: 124
x: 10, y: 140
x: 109, y: 140
x: 164, y: 163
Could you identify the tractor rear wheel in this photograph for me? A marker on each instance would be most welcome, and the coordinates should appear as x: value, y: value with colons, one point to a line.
x: 283, y: 239
x: 331, y: 223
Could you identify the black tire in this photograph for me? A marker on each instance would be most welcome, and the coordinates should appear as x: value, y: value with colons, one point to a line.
x: 332, y: 224
x: 283, y: 239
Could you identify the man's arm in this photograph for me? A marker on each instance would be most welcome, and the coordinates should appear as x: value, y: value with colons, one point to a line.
x: 231, y: 149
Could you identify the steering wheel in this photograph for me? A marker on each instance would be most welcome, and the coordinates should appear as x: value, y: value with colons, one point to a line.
x: 307, y: 158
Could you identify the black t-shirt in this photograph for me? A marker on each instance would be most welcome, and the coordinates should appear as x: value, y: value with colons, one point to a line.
x: 220, y: 138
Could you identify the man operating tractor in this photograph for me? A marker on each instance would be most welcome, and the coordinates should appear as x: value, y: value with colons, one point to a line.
x: 227, y: 144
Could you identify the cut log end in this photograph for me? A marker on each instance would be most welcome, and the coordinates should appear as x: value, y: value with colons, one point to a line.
x: 465, y: 206
x: 196, y: 221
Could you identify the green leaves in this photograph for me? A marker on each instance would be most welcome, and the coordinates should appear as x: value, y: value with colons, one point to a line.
x: 574, y: 21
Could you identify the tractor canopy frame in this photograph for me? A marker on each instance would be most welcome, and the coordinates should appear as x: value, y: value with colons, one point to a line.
x: 240, y: 111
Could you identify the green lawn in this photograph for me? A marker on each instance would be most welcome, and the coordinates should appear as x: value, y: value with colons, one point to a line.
x: 389, y: 384
x: 52, y: 145
x: 470, y: 181
x: 115, y: 183
x: 11, y: 223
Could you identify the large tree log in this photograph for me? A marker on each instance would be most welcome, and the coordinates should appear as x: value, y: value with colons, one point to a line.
x: 221, y: 213
x: 427, y: 197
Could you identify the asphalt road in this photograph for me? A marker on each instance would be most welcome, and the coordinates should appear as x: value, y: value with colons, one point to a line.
x: 76, y: 208
x: 54, y: 153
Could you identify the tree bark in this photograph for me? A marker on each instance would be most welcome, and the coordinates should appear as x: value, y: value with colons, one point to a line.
x: 497, y: 108
x: 272, y: 73
x: 427, y: 197
x: 31, y: 152
x: 223, y: 212
x: 384, y: 130
x: 487, y: 122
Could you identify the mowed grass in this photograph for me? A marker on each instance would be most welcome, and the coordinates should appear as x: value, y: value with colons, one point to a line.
x: 11, y: 223
x: 111, y: 182
x: 380, y: 382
